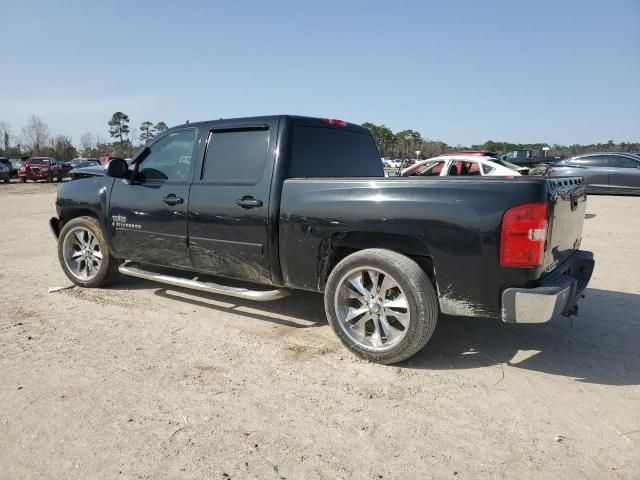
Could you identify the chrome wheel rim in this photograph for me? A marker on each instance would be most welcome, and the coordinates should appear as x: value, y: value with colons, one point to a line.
x: 372, y: 309
x: 82, y: 254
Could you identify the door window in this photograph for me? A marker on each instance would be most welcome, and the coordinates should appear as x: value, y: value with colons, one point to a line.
x: 592, y: 161
x: 236, y: 156
x: 170, y: 158
x: 619, y: 161
x: 487, y: 169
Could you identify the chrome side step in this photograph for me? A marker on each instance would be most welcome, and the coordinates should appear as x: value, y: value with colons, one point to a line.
x: 133, y: 270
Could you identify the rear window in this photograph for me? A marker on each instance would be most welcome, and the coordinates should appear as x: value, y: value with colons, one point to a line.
x: 333, y: 152
x: 236, y: 156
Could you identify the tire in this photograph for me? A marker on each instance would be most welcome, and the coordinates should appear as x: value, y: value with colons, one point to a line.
x: 23, y: 179
x: 50, y: 178
x: 100, y: 276
x: 412, y: 289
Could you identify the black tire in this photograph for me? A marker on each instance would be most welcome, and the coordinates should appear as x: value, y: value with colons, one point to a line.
x: 419, y: 292
x: 109, y: 268
x: 23, y: 179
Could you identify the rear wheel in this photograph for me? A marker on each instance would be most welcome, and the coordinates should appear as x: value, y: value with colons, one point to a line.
x: 381, y: 305
x: 84, y: 254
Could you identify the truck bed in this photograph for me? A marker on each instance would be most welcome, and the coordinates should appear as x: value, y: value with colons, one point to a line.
x: 450, y: 224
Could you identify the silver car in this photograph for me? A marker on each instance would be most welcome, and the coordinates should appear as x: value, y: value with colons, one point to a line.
x: 617, y: 173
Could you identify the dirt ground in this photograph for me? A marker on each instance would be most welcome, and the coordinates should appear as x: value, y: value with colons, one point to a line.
x: 140, y: 381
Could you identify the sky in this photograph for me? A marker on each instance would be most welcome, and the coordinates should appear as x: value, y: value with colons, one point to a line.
x: 463, y: 72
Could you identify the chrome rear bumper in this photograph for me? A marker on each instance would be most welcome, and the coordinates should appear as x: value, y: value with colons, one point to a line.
x: 557, y: 294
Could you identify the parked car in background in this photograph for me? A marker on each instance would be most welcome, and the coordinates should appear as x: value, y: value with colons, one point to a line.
x: 16, y: 163
x: 608, y: 172
x: 5, y: 173
x: 83, y: 162
x: 7, y: 163
x: 40, y: 168
x: 87, y: 168
x: 458, y: 165
x: 528, y: 158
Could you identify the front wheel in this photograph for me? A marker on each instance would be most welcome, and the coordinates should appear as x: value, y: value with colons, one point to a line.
x: 84, y: 254
x: 381, y: 305
x: 23, y: 179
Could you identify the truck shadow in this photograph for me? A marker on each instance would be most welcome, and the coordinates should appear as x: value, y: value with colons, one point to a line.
x: 600, y: 346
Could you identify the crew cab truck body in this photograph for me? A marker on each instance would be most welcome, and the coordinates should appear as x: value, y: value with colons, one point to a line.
x: 302, y: 203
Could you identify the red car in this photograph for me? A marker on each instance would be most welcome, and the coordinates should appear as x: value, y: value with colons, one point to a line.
x: 40, y: 168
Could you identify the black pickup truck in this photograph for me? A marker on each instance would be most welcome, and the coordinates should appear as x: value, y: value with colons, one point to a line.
x: 286, y: 202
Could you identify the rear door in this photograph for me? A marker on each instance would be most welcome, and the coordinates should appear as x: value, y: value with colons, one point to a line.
x: 229, y: 202
x: 148, y: 216
x: 624, y: 173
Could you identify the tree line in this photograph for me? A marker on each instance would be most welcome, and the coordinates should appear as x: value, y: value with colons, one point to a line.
x: 405, y: 143
x: 35, y: 139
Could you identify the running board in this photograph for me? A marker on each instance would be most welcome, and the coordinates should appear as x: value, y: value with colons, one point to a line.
x: 239, y: 292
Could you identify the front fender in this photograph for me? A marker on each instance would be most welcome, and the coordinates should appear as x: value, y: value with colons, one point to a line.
x: 84, y: 197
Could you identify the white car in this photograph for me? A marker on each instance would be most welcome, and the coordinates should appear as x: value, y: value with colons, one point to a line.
x: 458, y: 165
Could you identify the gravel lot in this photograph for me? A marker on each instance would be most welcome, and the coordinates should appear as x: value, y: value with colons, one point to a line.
x: 147, y: 382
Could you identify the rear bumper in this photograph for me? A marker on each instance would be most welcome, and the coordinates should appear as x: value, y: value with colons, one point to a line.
x: 558, y: 293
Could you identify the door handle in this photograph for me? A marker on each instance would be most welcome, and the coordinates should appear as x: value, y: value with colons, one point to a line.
x: 249, y: 202
x: 171, y: 199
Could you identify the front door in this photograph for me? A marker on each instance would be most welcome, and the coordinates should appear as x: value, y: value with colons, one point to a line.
x: 148, y: 216
x: 229, y: 203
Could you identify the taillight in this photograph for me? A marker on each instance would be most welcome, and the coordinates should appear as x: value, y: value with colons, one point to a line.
x: 335, y: 122
x: 524, y: 233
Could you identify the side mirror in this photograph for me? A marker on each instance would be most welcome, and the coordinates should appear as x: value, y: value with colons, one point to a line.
x: 118, y: 168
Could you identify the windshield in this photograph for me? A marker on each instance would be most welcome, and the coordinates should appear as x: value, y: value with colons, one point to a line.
x: 504, y: 163
x: 38, y: 161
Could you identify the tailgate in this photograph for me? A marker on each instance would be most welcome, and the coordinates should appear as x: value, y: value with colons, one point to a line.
x: 567, y: 206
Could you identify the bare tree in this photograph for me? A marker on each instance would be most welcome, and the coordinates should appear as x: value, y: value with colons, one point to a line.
x: 5, y: 135
x: 63, y: 148
x: 88, y: 143
x: 35, y: 134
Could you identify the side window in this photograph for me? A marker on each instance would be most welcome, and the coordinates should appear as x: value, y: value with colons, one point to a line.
x: 236, y: 156
x: 170, y: 158
x: 474, y: 168
x: 593, y: 161
x: 619, y: 161
x: 486, y: 169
